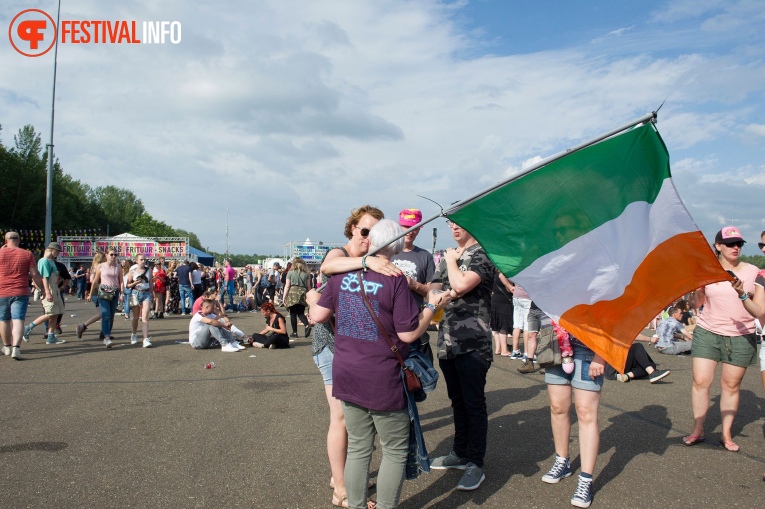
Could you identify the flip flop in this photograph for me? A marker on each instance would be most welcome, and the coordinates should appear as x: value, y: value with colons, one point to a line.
x: 693, y: 440
x: 730, y: 446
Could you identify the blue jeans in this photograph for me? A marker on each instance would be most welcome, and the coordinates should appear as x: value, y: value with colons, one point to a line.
x: 126, y: 301
x: 231, y: 291
x: 465, y: 378
x: 108, y: 308
x: 81, y: 288
x: 186, y: 291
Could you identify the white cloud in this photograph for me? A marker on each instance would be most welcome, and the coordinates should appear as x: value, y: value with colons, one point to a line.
x: 758, y: 129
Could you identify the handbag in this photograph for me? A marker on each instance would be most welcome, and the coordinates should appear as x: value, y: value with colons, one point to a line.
x: 134, y: 299
x: 412, y: 382
x: 548, y: 350
x: 106, y: 292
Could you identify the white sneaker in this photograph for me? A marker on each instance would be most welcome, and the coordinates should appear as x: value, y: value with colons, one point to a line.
x: 16, y: 353
x: 239, y: 346
x: 6, y: 350
x: 147, y: 343
x: 229, y: 348
x: 108, y: 343
x: 133, y: 339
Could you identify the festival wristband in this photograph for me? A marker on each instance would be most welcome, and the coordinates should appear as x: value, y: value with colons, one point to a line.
x: 744, y: 297
x: 430, y: 307
x: 364, y: 263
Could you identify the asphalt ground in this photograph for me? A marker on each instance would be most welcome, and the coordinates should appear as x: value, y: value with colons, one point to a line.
x: 86, y: 426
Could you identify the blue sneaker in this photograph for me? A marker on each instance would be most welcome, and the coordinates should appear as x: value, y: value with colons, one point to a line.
x: 27, y: 331
x: 53, y: 340
x: 583, y: 494
x: 560, y: 470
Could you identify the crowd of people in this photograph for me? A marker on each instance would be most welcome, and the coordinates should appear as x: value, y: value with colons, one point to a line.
x: 374, y: 309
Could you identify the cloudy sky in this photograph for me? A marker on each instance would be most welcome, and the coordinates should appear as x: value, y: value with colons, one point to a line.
x: 291, y: 113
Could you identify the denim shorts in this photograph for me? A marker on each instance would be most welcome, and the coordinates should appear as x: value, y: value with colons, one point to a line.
x: 13, y: 308
x: 323, y: 361
x: 556, y: 376
x: 143, y: 296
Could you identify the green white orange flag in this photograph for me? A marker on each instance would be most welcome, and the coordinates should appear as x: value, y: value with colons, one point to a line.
x: 599, y: 239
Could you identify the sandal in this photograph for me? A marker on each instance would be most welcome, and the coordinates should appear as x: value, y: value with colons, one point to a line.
x: 693, y: 440
x: 339, y: 501
x: 730, y: 446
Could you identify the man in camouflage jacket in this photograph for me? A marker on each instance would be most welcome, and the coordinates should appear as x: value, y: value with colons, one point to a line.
x: 465, y: 352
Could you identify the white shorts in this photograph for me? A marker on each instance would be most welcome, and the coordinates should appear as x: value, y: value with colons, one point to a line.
x: 521, y: 313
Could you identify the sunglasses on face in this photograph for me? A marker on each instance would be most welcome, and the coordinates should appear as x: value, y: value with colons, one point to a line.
x: 364, y: 232
x: 738, y: 244
x: 760, y: 245
x: 112, y: 254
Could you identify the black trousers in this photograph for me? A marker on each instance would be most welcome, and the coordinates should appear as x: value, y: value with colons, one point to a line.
x: 637, y: 360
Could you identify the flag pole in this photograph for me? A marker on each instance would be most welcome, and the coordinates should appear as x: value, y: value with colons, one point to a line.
x: 444, y: 213
x: 645, y: 118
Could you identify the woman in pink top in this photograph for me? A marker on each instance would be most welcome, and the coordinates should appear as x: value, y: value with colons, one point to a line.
x: 108, y: 277
x: 725, y: 333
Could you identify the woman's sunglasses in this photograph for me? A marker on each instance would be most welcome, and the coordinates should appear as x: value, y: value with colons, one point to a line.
x: 760, y: 245
x: 738, y: 244
x: 364, y: 232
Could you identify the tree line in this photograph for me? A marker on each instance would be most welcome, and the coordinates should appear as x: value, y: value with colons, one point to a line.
x: 76, y: 205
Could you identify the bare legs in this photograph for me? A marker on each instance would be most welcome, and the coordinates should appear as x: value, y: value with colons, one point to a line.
x: 500, y: 344
x: 337, y: 441
x: 730, y: 383
x: 587, y: 404
x: 11, y: 332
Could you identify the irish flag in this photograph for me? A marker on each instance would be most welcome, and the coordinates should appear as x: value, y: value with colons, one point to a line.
x: 599, y: 238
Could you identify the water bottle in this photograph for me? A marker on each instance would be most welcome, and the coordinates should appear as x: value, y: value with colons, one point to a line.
x: 209, y: 365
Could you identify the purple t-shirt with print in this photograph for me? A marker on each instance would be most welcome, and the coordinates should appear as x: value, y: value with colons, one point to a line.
x: 365, y: 372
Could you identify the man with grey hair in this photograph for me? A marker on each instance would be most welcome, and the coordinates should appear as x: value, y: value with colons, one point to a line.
x: 16, y: 265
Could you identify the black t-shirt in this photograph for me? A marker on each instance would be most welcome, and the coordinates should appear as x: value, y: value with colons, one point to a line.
x: 63, y: 273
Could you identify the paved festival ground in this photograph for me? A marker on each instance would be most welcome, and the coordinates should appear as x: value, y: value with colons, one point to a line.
x: 84, y: 426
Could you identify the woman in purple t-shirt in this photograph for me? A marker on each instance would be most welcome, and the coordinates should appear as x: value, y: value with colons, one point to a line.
x: 366, y: 375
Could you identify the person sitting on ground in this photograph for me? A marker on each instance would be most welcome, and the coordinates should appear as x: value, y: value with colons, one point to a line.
x: 275, y: 334
x: 639, y: 365
x: 206, y: 325
x: 669, y: 331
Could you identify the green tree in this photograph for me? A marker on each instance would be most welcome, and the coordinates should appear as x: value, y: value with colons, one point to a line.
x: 22, y: 181
x: 193, y: 239
x: 756, y: 260
x: 146, y: 226
x: 119, y: 208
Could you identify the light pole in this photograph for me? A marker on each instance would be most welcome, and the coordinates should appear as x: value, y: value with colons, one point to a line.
x: 49, y: 184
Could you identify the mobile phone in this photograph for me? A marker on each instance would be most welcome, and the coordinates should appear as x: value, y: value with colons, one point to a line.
x: 732, y: 274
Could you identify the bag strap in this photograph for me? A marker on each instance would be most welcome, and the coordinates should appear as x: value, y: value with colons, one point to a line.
x: 393, y: 348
